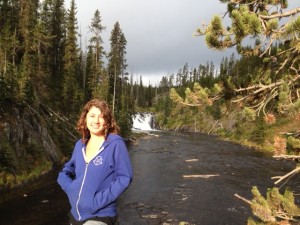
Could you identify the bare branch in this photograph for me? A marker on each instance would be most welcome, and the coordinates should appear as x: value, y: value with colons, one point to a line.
x: 281, y: 15
x: 243, y: 199
x: 280, y: 178
x: 261, y: 88
x: 283, y: 64
x: 213, y: 126
x: 268, y: 47
x: 205, y: 176
x: 190, y: 104
x: 287, y: 157
x: 248, y: 88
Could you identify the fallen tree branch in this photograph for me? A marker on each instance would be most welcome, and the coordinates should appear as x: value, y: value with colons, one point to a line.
x: 71, y: 134
x: 200, y: 176
x: 287, y: 157
x: 192, y: 160
x: 280, y: 178
x: 243, y: 199
x: 213, y: 126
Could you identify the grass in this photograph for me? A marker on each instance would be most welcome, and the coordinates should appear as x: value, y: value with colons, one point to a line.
x: 280, y: 128
x: 10, y: 181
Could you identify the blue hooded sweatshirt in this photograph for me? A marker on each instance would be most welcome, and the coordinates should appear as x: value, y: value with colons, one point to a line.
x: 93, y: 188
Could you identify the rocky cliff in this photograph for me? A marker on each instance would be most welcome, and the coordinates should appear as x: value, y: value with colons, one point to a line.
x: 27, y: 144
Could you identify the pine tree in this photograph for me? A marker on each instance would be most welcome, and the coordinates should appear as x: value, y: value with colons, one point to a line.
x: 41, y: 44
x: 122, y: 104
x: 97, y: 79
x: 275, y: 208
x: 141, y: 93
x: 72, y: 94
x: 9, y: 46
x: 116, y: 65
x: 27, y: 23
x: 54, y: 19
x: 256, y: 26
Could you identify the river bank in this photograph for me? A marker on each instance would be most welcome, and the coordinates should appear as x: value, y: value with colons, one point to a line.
x: 8, y: 193
x: 262, y: 141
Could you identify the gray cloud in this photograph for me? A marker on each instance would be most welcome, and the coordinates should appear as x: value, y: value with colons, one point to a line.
x: 158, y: 32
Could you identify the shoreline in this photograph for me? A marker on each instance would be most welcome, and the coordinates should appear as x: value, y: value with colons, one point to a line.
x: 11, y: 192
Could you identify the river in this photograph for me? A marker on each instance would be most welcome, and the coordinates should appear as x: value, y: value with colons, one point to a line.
x: 162, y: 191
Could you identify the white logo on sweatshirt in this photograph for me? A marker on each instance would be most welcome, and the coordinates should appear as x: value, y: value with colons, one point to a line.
x: 98, y: 160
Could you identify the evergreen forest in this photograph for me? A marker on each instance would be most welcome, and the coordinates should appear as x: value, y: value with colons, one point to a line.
x: 46, y: 76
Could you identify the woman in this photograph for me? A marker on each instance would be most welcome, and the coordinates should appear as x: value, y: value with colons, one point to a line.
x: 99, y: 170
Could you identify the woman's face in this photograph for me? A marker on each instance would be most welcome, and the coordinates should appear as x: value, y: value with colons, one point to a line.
x: 95, y: 121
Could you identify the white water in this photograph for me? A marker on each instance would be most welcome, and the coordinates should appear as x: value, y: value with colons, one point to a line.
x: 143, y: 121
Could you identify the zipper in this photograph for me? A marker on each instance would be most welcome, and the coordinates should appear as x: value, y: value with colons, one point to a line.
x: 83, y: 180
x: 79, y: 195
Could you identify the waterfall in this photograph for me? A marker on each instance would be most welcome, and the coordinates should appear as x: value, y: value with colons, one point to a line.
x: 143, y: 121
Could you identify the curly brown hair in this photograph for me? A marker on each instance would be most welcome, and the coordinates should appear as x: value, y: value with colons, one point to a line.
x: 110, y: 125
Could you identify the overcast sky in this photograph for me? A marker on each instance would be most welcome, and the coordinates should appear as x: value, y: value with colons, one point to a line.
x: 159, y: 33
